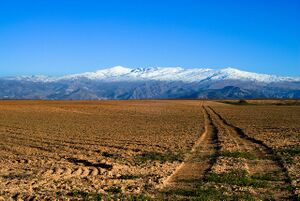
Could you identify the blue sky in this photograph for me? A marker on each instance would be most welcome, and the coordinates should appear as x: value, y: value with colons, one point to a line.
x: 56, y: 37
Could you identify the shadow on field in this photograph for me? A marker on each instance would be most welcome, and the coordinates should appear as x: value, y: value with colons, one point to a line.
x: 89, y: 164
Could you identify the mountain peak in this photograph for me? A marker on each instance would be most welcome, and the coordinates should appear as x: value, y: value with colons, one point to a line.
x: 116, y: 69
x: 120, y: 68
x: 230, y: 69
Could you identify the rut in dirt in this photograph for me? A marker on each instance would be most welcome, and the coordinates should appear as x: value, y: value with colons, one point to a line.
x: 265, y: 162
x: 200, y: 159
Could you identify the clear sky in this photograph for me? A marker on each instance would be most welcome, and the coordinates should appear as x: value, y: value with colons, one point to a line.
x: 56, y: 37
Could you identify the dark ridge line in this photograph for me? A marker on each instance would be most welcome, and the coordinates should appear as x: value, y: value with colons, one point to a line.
x: 280, y: 162
x: 87, y: 163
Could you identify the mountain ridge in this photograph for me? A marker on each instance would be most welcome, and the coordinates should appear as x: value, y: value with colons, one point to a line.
x: 151, y: 83
x: 120, y: 73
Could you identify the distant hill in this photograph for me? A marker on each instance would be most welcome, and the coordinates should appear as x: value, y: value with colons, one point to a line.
x: 149, y: 83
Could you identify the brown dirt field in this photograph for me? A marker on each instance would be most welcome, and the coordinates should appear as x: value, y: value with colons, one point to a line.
x: 162, y: 149
x: 55, y: 148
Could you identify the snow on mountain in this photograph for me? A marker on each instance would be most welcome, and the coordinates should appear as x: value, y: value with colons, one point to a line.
x: 171, y: 74
x: 109, y: 73
x: 120, y: 73
x: 32, y: 78
x: 235, y: 74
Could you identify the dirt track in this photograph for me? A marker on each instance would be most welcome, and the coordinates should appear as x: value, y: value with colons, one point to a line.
x: 174, y: 149
x: 264, y: 162
x: 214, y: 153
x: 199, y: 160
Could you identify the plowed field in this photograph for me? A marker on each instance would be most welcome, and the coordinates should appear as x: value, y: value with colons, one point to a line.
x: 159, y: 149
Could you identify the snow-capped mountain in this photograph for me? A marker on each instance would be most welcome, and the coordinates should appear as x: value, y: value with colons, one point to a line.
x: 120, y: 73
x: 157, y: 82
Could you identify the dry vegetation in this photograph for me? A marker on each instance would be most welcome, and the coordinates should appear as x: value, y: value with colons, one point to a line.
x: 244, y: 150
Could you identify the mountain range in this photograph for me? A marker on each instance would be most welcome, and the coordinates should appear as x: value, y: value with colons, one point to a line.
x: 151, y: 83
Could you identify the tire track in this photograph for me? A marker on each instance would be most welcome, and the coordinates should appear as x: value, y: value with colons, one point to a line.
x: 68, y: 172
x: 200, y: 159
x: 80, y: 168
x: 266, y: 160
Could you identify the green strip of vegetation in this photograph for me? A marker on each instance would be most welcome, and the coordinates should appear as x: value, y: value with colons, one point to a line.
x: 237, y: 177
x: 288, y: 153
x: 269, y: 176
x: 289, y: 150
x: 205, y: 194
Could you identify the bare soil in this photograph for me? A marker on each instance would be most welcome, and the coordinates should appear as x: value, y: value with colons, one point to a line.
x: 55, y: 149
x: 158, y: 149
